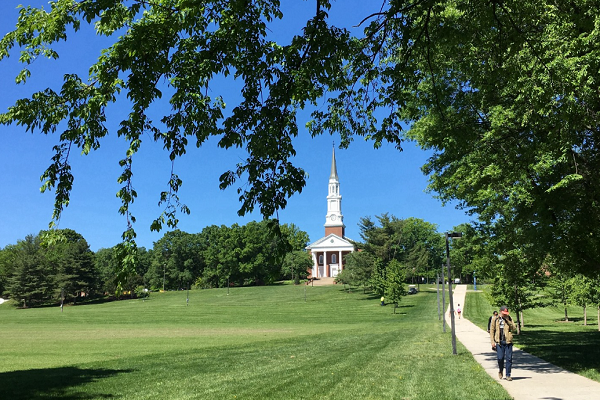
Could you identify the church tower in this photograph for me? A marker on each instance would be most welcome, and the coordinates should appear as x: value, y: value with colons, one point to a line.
x: 334, y: 220
x: 328, y: 252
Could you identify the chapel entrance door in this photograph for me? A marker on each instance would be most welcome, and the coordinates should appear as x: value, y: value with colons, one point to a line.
x: 335, y: 270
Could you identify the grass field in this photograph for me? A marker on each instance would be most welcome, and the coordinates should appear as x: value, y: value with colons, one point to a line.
x: 256, y: 343
x: 570, y: 345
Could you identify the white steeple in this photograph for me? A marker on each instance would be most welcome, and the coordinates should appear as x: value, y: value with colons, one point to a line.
x: 334, y: 217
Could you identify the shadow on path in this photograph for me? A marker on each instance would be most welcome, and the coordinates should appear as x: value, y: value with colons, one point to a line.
x: 574, y: 351
x: 523, y: 360
x: 52, y: 383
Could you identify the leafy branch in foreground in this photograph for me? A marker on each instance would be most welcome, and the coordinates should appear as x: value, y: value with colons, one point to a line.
x: 181, y: 48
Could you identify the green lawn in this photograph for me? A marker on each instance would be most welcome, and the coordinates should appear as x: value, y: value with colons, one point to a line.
x: 570, y: 345
x: 256, y: 343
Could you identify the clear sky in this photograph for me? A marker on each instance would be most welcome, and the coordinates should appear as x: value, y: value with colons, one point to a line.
x: 372, y: 182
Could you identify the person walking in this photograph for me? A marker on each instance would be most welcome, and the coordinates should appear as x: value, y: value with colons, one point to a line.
x: 458, y: 311
x: 501, y: 335
x: 494, y: 315
x: 382, y: 301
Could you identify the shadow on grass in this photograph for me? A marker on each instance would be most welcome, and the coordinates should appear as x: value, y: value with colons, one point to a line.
x: 80, y: 302
x: 574, y: 351
x: 366, y: 296
x: 52, y: 383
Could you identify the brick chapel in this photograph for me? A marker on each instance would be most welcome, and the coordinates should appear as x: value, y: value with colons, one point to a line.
x: 329, y: 251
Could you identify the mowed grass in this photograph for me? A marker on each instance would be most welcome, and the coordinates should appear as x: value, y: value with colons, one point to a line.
x: 570, y: 345
x: 255, y: 343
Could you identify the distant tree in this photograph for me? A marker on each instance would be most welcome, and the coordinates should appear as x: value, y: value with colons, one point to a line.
x: 394, y: 283
x: 177, y: 261
x: 378, y: 276
x: 6, y: 266
x: 72, y: 264
x: 358, y: 268
x: 143, y: 266
x: 259, y: 258
x: 106, y: 267
x: 470, y: 254
x: 417, y: 261
x: 296, y: 238
x: 30, y: 280
x: 583, y: 293
x: 561, y: 288
x: 414, y: 243
x: 595, y: 297
x: 297, y: 263
x: 516, y: 284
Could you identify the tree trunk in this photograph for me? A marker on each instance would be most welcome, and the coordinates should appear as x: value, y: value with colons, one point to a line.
x: 566, y: 316
x: 518, y: 310
x: 521, y: 317
x: 584, y: 315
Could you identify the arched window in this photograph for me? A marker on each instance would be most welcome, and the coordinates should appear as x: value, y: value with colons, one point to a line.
x: 334, y: 259
x: 321, y: 259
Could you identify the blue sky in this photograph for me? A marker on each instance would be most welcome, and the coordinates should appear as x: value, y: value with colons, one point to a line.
x: 372, y: 181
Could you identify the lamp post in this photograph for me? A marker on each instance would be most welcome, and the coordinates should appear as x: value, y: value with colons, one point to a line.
x: 443, y: 301
x: 437, y: 290
x: 452, y: 322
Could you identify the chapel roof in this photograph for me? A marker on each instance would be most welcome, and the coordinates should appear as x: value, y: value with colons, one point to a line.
x: 331, y: 240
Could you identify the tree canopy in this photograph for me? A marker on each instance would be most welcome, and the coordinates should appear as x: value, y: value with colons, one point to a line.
x: 179, y: 48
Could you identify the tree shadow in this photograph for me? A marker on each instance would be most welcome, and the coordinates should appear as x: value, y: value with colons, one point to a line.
x: 571, y: 319
x: 574, y: 351
x: 53, y: 383
x: 366, y: 296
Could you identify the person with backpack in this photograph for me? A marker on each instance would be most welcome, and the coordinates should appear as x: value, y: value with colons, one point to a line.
x: 501, y: 335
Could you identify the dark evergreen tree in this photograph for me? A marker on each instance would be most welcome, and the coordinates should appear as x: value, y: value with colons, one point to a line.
x: 30, y: 280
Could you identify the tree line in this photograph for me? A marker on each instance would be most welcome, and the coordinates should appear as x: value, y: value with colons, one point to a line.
x: 58, y: 265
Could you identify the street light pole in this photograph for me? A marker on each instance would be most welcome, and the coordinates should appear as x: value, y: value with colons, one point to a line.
x: 443, y: 301
x: 452, y: 321
x: 437, y: 290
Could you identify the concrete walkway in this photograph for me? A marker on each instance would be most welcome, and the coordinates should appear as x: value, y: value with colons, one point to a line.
x: 533, y: 378
x: 322, y: 282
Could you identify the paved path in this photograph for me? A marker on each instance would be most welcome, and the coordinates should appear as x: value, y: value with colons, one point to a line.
x: 533, y: 378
